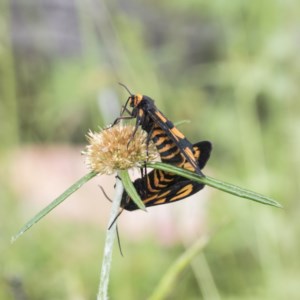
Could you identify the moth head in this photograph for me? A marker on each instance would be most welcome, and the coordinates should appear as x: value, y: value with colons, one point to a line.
x: 135, y: 100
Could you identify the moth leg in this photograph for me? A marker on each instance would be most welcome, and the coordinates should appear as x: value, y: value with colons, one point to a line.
x: 119, y: 241
x: 115, y: 219
x: 117, y: 120
x: 104, y: 193
x: 140, y: 117
x: 148, y: 139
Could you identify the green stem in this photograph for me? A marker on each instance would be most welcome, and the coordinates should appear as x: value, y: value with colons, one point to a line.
x: 166, y: 283
x: 220, y: 185
x: 73, y: 188
x: 130, y: 189
x: 109, y: 242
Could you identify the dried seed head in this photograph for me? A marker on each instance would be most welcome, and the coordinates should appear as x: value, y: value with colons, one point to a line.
x: 110, y: 150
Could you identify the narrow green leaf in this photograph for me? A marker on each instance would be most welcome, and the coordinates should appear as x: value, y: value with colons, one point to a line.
x: 166, y: 284
x: 130, y: 189
x: 223, y: 186
x: 73, y: 188
x: 179, y: 123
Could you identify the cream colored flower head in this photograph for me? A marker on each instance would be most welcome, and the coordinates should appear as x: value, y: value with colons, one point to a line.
x: 114, y: 149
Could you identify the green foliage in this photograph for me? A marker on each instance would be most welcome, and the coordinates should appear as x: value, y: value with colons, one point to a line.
x: 130, y: 189
x: 232, y: 68
x: 72, y: 189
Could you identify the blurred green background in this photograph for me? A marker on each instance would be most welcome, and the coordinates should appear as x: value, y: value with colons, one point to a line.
x: 231, y: 67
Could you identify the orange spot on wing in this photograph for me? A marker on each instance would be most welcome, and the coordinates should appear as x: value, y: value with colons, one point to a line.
x: 160, y: 141
x: 156, y: 180
x: 155, y: 196
x: 160, y: 201
x: 166, y: 147
x: 165, y: 193
x: 189, y: 153
x: 197, y: 152
x: 177, y: 133
x: 172, y: 154
x: 160, y: 115
x: 163, y: 178
x: 189, y: 167
x: 150, y: 189
x: 149, y: 199
x: 184, y: 192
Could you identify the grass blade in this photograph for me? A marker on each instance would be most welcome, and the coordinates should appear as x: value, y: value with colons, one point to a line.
x: 130, y: 189
x: 169, y: 279
x: 73, y: 188
x: 220, y: 185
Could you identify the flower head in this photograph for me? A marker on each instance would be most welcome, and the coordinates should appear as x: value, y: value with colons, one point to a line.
x: 114, y: 149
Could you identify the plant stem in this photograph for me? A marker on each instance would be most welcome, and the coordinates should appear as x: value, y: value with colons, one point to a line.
x: 169, y: 279
x: 72, y: 189
x: 109, y: 241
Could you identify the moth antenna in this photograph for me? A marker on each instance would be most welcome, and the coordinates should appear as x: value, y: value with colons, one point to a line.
x: 126, y: 88
x: 119, y: 241
x: 104, y: 193
x: 115, y: 219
